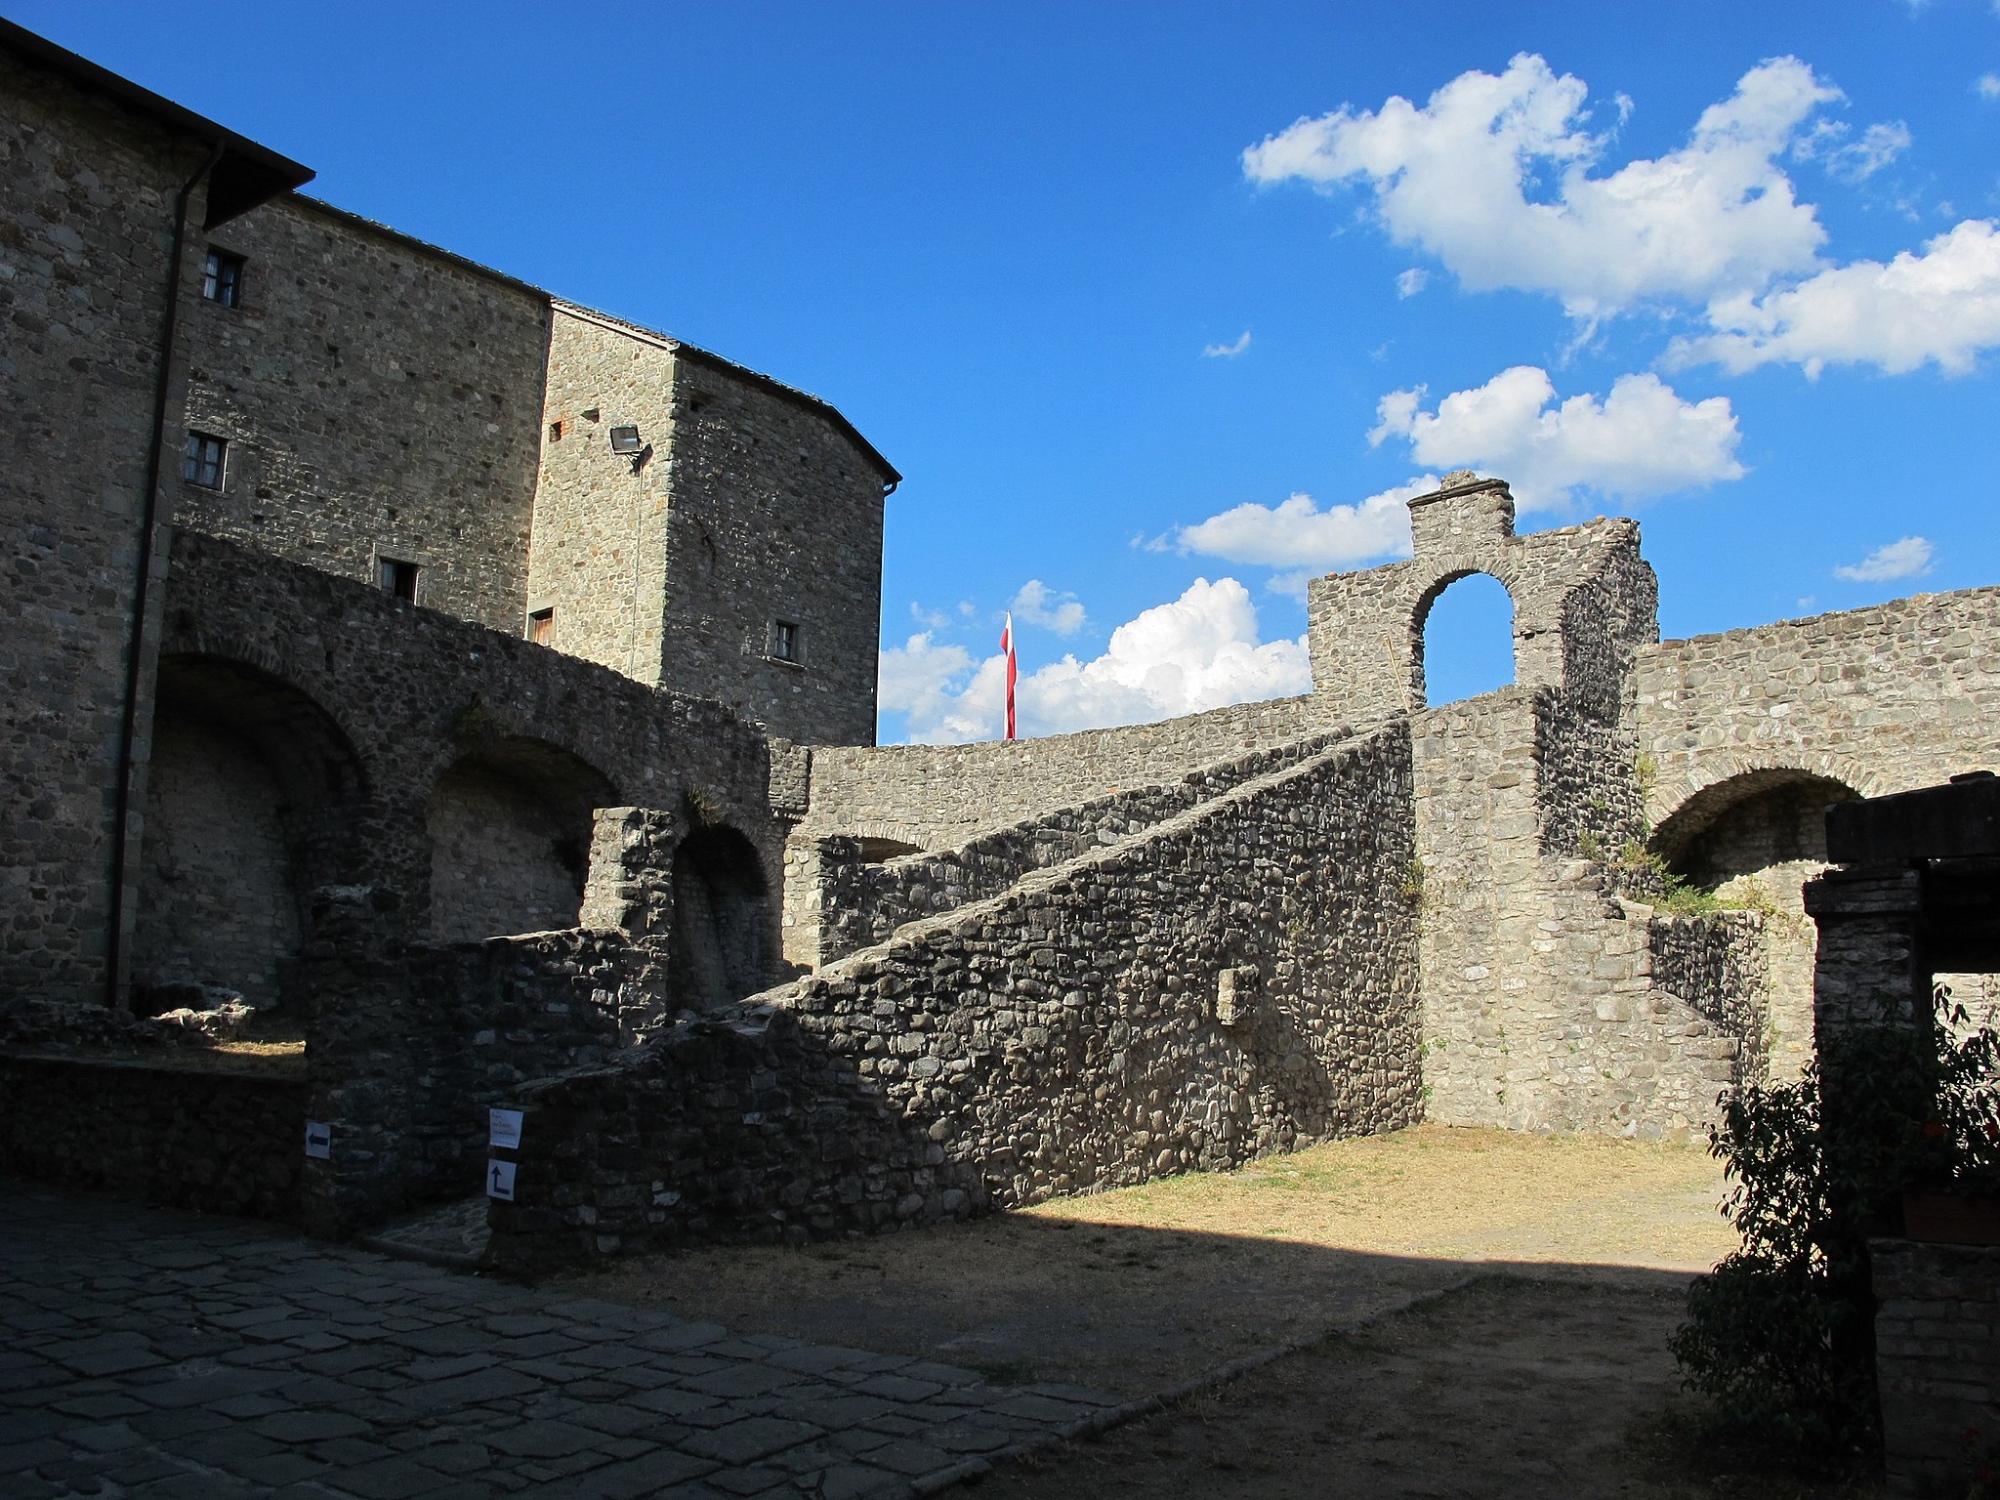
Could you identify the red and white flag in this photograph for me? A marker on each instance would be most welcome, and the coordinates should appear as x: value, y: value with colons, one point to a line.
x: 1007, y: 646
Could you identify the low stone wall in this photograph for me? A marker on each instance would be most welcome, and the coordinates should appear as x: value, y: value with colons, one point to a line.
x: 855, y: 904
x: 412, y: 1042
x: 1721, y: 965
x: 1937, y: 1363
x: 204, y: 1139
x: 938, y: 796
x: 1239, y: 980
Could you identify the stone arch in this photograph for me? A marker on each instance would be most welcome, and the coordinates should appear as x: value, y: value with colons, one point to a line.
x: 1758, y: 835
x: 510, y: 826
x: 721, y: 945
x: 1689, y: 796
x: 254, y: 795
x: 1427, y: 598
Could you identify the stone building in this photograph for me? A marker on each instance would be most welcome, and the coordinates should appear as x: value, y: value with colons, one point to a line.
x: 491, y: 683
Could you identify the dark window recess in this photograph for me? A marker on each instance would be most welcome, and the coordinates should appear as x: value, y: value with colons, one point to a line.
x: 205, y: 461
x: 785, y: 641
x: 542, y: 627
x: 222, y: 278
x: 555, y: 432
x: 397, y: 577
x: 624, y: 440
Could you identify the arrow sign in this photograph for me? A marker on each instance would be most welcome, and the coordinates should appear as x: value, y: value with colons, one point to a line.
x: 500, y: 1180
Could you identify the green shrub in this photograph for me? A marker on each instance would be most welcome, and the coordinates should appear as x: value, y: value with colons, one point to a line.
x: 1781, y: 1334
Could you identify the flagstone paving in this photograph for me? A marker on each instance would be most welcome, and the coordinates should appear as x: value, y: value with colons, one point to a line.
x: 152, y: 1354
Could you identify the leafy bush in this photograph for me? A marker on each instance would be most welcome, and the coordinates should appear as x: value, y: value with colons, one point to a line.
x: 1781, y: 1334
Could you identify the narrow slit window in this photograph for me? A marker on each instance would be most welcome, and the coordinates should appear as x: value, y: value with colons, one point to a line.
x: 222, y: 278
x: 206, y: 460
x: 397, y: 577
x: 542, y: 627
x: 785, y: 641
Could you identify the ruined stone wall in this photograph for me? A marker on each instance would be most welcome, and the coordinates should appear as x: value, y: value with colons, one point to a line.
x: 1238, y: 980
x: 86, y: 227
x: 1541, y: 1009
x: 204, y: 1139
x: 412, y: 693
x: 848, y: 902
x: 413, y: 1041
x: 1720, y: 963
x: 939, y: 796
x: 1900, y: 695
x: 381, y: 397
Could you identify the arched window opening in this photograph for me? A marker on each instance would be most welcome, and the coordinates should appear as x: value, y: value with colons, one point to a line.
x: 510, y: 827
x: 249, y: 798
x: 1465, y: 641
x: 721, y: 939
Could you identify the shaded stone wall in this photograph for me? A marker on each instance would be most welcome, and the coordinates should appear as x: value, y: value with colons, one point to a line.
x: 218, y: 902
x: 380, y: 397
x: 86, y: 228
x: 938, y: 796
x: 414, y: 693
x: 209, y: 1140
x: 1721, y: 965
x: 846, y: 902
x: 1937, y: 1362
x: 1075, y: 1032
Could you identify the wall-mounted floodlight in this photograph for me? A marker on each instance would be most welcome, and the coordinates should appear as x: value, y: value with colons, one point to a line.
x: 625, y: 440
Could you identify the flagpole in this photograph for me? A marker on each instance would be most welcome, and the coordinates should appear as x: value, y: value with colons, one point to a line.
x: 1007, y: 646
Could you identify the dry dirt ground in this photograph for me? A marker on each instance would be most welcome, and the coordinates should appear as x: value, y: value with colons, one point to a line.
x: 1481, y: 1313
x: 1138, y: 1290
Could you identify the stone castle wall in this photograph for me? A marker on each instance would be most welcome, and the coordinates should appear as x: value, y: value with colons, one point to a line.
x: 380, y: 398
x: 86, y: 229
x: 848, y: 902
x: 939, y: 796
x: 1238, y: 980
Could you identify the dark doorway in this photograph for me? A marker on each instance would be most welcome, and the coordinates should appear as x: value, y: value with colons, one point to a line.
x: 721, y: 942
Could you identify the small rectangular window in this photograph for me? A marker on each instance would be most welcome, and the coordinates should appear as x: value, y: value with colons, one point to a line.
x: 205, y: 461
x: 555, y: 431
x: 624, y: 440
x: 397, y: 577
x: 785, y: 641
x: 222, y: 278
x: 542, y: 627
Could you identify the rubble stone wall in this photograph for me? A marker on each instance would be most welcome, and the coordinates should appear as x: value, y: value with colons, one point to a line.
x: 207, y: 1139
x: 1240, y: 979
x: 939, y: 796
x: 1937, y: 1362
x: 86, y: 229
x: 380, y: 397
x: 859, y: 903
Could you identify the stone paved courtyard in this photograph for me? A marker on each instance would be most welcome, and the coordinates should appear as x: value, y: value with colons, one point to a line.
x: 152, y: 1354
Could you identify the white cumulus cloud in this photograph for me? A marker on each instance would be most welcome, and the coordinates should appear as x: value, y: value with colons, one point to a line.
x: 1037, y: 604
x: 1227, y: 351
x: 1197, y: 652
x: 1940, y: 305
x: 1493, y: 176
x: 1412, y: 281
x: 1908, y: 558
x: 1639, y: 441
x: 1296, y: 534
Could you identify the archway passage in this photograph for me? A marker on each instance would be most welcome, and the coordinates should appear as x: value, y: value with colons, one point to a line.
x: 721, y: 939
x: 1756, y: 839
x: 251, y: 796
x: 1464, y: 641
x: 510, y: 827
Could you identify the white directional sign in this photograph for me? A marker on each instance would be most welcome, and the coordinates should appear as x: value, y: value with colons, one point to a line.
x: 504, y: 1128
x: 319, y: 1140
x: 500, y: 1180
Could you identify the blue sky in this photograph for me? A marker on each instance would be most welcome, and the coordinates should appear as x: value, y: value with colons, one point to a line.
x: 1114, y: 284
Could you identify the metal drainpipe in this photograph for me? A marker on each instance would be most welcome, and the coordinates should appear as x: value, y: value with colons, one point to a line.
x: 128, y: 727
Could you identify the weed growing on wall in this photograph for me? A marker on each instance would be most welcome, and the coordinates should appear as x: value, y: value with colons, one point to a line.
x: 1781, y: 1334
